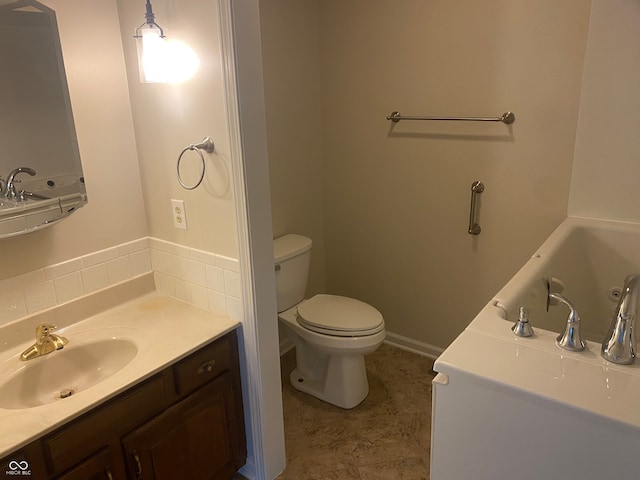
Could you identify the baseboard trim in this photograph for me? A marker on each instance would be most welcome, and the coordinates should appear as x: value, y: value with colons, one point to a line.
x: 413, y: 345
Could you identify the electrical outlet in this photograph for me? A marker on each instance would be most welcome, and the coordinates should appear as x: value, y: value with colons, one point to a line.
x: 179, y: 214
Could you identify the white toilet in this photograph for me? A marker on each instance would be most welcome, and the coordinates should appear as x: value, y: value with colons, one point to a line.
x: 332, y: 334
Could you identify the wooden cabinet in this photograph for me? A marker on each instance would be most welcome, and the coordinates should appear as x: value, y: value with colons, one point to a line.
x: 185, y: 422
x: 191, y: 440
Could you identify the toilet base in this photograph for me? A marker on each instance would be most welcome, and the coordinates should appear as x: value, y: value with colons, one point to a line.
x: 335, y: 379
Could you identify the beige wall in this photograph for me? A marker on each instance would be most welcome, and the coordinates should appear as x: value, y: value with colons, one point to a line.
x: 167, y: 118
x: 606, y: 169
x: 90, y: 38
x: 396, y: 198
x: 290, y: 32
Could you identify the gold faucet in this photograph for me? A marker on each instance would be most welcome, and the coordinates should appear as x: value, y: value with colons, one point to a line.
x: 46, y: 342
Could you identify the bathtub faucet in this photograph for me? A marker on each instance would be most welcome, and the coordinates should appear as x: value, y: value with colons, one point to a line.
x: 571, y: 337
x: 619, y: 345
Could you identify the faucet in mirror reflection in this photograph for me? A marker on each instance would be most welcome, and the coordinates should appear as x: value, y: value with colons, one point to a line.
x: 9, y: 187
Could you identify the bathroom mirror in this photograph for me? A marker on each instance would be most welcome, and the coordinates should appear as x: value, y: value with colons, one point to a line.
x: 41, y: 180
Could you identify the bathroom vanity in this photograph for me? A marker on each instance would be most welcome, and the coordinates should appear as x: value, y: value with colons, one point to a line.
x: 174, y: 411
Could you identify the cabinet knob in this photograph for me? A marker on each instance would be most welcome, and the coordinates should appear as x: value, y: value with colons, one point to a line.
x: 206, y: 367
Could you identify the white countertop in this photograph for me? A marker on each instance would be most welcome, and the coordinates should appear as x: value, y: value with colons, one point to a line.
x: 164, y: 330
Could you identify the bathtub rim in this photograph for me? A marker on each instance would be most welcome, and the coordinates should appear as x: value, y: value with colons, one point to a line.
x: 589, y: 385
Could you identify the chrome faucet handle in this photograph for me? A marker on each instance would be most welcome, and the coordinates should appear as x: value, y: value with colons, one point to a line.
x: 619, y: 346
x: 522, y: 327
x: 571, y: 338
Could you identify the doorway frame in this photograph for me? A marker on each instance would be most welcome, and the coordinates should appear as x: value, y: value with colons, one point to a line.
x: 244, y: 92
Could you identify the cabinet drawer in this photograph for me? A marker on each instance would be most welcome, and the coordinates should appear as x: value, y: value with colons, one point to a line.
x: 204, y: 365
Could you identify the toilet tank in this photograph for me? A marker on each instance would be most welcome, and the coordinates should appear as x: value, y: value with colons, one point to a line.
x: 292, y: 254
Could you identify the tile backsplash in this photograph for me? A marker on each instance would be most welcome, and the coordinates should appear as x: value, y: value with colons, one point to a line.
x: 203, y: 279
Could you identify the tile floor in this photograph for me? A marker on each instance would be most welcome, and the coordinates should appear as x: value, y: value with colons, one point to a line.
x: 386, y: 437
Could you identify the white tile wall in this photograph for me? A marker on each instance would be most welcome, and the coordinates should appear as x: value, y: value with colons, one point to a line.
x: 203, y: 279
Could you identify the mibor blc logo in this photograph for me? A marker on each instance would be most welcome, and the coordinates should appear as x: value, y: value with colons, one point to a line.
x: 18, y: 468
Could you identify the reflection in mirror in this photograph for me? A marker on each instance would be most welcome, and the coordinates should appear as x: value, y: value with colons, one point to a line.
x: 41, y: 180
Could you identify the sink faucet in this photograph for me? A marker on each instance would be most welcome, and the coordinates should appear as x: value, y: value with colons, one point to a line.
x: 619, y: 345
x: 10, y: 189
x: 46, y: 342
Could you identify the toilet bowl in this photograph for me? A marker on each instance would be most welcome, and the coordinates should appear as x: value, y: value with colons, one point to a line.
x: 330, y: 362
x: 331, y: 333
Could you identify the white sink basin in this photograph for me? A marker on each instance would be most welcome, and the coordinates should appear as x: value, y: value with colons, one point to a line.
x: 64, y: 373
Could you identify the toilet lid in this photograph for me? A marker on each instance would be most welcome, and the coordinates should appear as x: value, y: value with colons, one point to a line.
x: 341, y: 316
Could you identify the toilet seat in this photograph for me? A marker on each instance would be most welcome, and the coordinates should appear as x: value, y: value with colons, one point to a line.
x: 339, y: 316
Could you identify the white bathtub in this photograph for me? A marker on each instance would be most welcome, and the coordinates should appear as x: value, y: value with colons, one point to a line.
x: 585, y: 260
x: 514, y: 407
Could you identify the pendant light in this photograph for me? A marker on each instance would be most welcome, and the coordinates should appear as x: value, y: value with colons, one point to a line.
x: 151, y: 49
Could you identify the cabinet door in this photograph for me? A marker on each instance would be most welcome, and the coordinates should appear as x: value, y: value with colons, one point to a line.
x: 194, y: 439
x: 96, y: 467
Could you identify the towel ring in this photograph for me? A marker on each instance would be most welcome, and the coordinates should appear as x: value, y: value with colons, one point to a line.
x: 207, y: 146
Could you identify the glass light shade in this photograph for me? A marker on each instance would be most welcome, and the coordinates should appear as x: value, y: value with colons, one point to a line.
x: 151, y: 54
